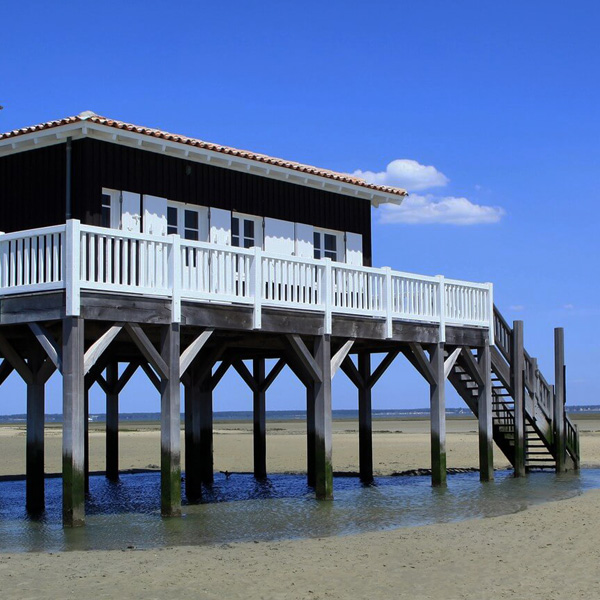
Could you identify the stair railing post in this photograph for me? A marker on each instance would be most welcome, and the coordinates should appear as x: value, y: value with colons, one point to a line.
x: 442, y: 302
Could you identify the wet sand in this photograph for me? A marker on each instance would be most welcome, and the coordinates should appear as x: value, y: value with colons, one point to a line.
x: 548, y: 551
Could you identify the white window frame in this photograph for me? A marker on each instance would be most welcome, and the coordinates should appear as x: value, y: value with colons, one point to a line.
x: 340, y: 249
x: 201, y: 211
x: 115, y: 207
x: 259, y: 234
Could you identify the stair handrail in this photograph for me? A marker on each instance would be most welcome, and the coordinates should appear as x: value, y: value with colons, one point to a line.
x: 502, y: 334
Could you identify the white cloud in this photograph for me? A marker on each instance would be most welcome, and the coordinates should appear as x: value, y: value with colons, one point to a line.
x: 569, y: 306
x: 517, y: 307
x: 428, y: 209
x: 407, y: 174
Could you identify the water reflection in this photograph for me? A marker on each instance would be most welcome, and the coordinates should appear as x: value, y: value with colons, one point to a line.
x: 239, y: 508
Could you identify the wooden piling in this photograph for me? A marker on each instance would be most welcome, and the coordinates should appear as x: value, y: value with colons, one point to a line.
x: 112, y: 421
x: 259, y: 418
x: 365, y: 420
x: 170, y: 423
x: 437, y: 396
x: 559, y: 399
x: 204, y: 406
x: 35, y: 500
x: 484, y: 403
x: 516, y: 372
x: 73, y: 422
x: 323, y: 420
x: 310, y: 436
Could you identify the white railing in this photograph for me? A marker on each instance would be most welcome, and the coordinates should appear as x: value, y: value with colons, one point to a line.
x: 75, y: 257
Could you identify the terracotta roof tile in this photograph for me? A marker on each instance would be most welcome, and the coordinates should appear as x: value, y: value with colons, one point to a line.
x: 263, y: 158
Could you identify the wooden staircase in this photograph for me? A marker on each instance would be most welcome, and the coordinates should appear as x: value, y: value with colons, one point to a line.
x: 539, y: 435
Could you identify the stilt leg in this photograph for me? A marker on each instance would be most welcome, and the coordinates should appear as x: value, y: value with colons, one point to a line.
x: 86, y: 437
x: 310, y: 436
x: 193, y: 483
x: 35, y: 442
x: 559, y: 398
x: 205, y: 410
x: 438, y: 417
x: 260, y: 433
x: 170, y: 428
x: 73, y: 423
x: 365, y: 423
x: 322, y: 403
x: 517, y: 364
x: 112, y: 422
x: 486, y: 436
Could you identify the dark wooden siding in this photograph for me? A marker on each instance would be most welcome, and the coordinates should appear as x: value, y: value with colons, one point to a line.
x: 32, y: 189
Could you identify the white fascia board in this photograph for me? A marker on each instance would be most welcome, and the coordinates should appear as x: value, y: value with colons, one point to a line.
x: 80, y: 129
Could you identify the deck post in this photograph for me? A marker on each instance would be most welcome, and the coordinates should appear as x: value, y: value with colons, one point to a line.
x: 559, y: 398
x: 365, y: 420
x: 86, y: 434
x: 73, y: 422
x: 259, y: 412
x: 35, y: 501
x: 517, y: 364
x: 310, y: 436
x: 437, y: 397
x: 323, y: 425
x: 204, y: 407
x: 484, y: 403
x: 112, y: 421
x: 170, y: 402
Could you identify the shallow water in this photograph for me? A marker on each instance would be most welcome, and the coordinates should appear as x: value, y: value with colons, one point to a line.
x: 126, y: 514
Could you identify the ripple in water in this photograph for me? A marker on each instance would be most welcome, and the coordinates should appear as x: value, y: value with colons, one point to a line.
x: 239, y: 508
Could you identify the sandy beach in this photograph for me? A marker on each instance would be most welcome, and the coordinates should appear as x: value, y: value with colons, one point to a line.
x: 548, y: 551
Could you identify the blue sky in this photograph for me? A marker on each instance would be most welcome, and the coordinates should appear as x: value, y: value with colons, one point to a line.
x: 500, y: 100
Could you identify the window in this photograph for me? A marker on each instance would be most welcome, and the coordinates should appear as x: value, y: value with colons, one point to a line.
x: 325, y: 245
x: 243, y: 232
x: 189, y: 221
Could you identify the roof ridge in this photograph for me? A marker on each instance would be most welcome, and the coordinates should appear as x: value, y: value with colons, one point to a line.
x: 91, y: 116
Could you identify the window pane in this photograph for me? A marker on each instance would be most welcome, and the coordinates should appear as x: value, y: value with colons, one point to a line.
x: 317, y: 240
x: 317, y: 253
x: 191, y: 234
x: 235, y: 226
x: 235, y: 240
x: 106, y: 200
x: 172, y: 217
x: 248, y: 228
x: 248, y: 242
x: 191, y: 219
x: 106, y: 216
x: 330, y: 242
x: 331, y: 255
x: 171, y: 229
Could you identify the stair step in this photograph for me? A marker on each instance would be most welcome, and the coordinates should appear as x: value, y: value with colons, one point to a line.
x: 539, y: 460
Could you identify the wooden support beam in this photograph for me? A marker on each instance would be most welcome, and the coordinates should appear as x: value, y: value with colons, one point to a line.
x: 219, y: 373
x: 313, y: 370
x: 365, y: 419
x: 352, y: 373
x: 259, y: 419
x: 310, y: 436
x: 96, y: 350
x: 170, y: 410
x: 152, y: 376
x: 382, y: 367
x: 273, y: 373
x: 437, y: 396
x: 48, y: 343
x: 472, y: 366
x: 190, y: 353
x: 422, y: 361
x: 73, y: 422
x: 451, y: 361
x: 112, y: 419
x: 146, y: 347
x: 338, y: 358
x: 5, y: 370
x: 559, y: 399
x: 12, y: 356
x: 485, y: 415
x: 517, y: 365
x: 245, y: 374
x: 127, y: 374
x: 203, y: 425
